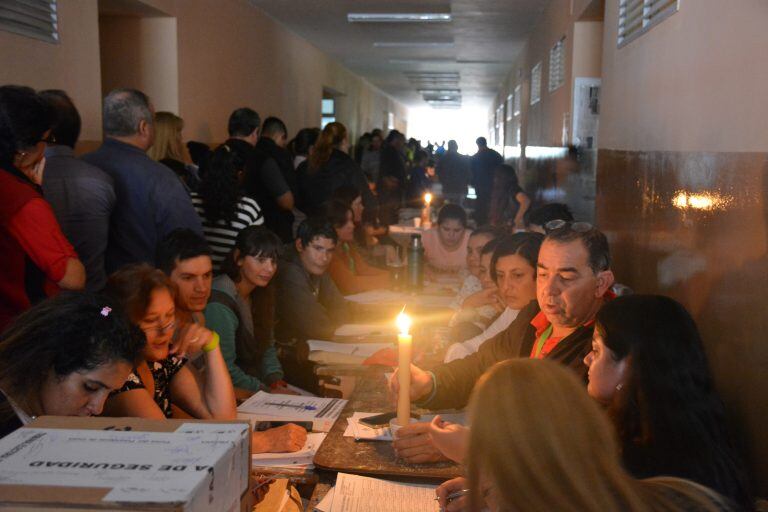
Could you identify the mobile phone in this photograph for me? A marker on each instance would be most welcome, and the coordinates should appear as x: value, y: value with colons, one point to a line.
x: 382, y: 420
x: 266, y: 425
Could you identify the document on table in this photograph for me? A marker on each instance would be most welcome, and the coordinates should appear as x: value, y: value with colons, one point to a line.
x: 301, y: 458
x: 351, y: 349
x: 293, y: 408
x: 354, y: 493
x: 377, y: 297
x: 364, y: 432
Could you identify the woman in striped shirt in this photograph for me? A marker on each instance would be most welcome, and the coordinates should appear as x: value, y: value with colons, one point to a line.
x: 223, y: 209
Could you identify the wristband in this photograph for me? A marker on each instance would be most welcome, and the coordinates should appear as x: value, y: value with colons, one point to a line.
x: 213, y: 344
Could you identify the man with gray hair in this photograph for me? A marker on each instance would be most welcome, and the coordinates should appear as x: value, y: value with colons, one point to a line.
x: 151, y: 200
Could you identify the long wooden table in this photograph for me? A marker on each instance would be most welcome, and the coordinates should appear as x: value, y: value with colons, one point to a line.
x: 339, y: 453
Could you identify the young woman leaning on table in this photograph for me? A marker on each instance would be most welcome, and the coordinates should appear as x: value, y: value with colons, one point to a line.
x: 548, y: 446
x: 63, y: 357
x: 348, y: 269
x: 163, y: 383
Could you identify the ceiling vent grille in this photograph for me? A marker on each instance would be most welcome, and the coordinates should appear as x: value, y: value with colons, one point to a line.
x: 557, y: 65
x: 636, y: 17
x: 31, y: 18
x: 536, y: 84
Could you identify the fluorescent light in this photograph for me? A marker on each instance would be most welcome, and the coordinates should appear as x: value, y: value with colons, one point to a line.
x: 398, y: 17
x: 439, y: 91
x: 413, y: 44
x: 422, y: 61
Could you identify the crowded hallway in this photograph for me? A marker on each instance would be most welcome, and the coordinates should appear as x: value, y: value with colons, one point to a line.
x: 353, y: 256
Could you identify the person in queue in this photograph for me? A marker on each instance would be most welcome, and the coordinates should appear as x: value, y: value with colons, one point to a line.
x: 348, y: 269
x: 168, y: 148
x: 151, y: 200
x: 539, y: 443
x: 37, y: 259
x: 445, y: 246
x: 328, y: 168
x: 573, y: 281
x: 62, y: 357
x: 82, y: 196
x: 219, y: 201
x: 648, y: 367
x: 242, y: 310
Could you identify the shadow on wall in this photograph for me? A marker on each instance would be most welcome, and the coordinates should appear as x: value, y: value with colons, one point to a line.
x: 694, y: 226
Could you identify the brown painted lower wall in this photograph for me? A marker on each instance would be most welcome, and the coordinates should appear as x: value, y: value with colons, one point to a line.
x: 693, y: 226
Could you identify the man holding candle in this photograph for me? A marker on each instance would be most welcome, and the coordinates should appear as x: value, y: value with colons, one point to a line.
x: 573, y: 281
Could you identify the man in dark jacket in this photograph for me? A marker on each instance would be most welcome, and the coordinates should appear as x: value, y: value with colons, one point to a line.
x: 453, y: 172
x: 483, y: 165
x: 392, y: 175
x: 264, y: 180
x: 573, y: 281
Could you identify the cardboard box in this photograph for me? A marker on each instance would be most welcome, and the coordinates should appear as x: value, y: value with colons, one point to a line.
x: 119, y: 464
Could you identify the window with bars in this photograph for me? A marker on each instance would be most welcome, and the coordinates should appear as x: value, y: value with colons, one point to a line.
x: 636, y: 17
x: 31, y: 18
x: 557, y: 65
x: 518, y: 100
x: 510, y: 101
x: 536, y: 84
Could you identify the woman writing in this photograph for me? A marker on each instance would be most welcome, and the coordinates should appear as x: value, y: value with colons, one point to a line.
x: 63, y: 357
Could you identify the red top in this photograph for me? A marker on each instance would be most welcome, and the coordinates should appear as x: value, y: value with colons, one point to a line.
x: 540, y: 323
x: 33, y: 250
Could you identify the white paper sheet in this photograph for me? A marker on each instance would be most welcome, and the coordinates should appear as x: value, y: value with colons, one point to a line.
x: 326, y: 503
x: 314, y: 440
x: 359, y: 431
x: 377, y: 297
x: 352, y: 349
x: 354, y: 493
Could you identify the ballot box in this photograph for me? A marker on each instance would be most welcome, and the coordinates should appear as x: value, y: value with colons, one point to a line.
x: 70, y: 463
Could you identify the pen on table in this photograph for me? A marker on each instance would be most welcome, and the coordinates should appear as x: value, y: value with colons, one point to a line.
x: 455, y: 495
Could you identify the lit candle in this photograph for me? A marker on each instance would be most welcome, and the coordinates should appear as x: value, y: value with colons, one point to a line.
x: 404, y: 344
x: 426, y: 217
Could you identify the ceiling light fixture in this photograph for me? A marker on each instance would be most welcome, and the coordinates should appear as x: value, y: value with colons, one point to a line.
x: 398, y: 17
x: 439, y: 91
x: 413, y: 44
x: 422, y: 61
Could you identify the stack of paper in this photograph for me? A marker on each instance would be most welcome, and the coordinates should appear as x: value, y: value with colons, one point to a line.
x: 301, y: 459
x: 354, y: 493
x: 322, y: 412
x: 328, y: 352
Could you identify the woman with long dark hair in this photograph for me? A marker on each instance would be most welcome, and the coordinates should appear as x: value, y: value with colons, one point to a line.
x: 242, y: 311
x: 63, y: 357
x: 539, y: 443
x: 648, y: 367
x: 223, y: 209
x: 328, y: 168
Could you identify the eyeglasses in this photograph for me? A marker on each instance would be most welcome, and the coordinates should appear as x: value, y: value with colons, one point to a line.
x: 160, y: 329
x: 578, y: 227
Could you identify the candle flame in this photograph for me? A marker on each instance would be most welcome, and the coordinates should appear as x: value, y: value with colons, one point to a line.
x: 427, y: 198
x: 403, y: 322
